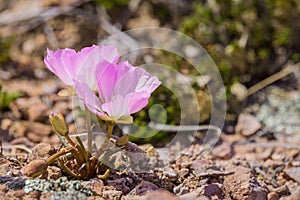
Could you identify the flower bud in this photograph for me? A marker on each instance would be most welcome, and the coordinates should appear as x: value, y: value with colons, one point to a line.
x: 122, y: 140
x: 59, y: 124
x: 35, y: 168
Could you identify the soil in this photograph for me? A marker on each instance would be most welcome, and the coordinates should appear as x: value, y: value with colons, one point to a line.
x: 257, y: 156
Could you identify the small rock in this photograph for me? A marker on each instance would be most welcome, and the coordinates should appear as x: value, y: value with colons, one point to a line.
x: 37, y: 111
x: 292, y: 186
x: 119, y: 184
x: 273, y: 196
x: 40, y: 87
x: 61, y: 107
x: 15, y: 184
x: 40, y: 128
x: 22, y: 140
x: 37, y: 131
x: 295, y: 163
x: 161, y: 195
x: 53, y: 139
x: 223, y: 151
x: 169, y: 172
x: 5, y: 124
x: 213, y: 190
x: 264, y: 153
x: 247, y: 125
x: 283, y: 190
x: 54, y: 172
x: 17, y: 129
x: 200, y: 164
x: 43, y: 151
x: 96, y: 185
x: 143, y: 188
x: 183, y: 172
x: 45, y: 196
x: 193, y: 196
x: 293, y: 173
x: 4, y: 170
x: 4, y: 167
x: 270, y: 163
x: 3, y: 190
x: 180, y: 189
x: 14, y: 194
x: 34, y: 107
x: 112, y: 195
x: 294, y: 196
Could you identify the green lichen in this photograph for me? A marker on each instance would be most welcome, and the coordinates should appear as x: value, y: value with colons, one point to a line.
x: 60, y: 188
x: 280, y: 106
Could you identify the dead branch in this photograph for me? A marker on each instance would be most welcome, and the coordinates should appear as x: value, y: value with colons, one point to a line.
x: 275, y: 77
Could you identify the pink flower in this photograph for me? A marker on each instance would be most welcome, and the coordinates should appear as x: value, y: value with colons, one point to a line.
x: 122, y: 90
x: 68, y: 64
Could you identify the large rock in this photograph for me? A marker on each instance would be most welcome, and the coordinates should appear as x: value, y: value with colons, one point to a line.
x: 244, y: 186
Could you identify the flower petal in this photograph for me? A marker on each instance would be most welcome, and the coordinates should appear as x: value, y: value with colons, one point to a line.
x: 117, y: 107
x: 60, y: 62
x: 136, y: 80
x: 120, y: 107
x: 110, y: 53
x: 68, y: 64
x: 137, y: 101
x: 86, y: 94
x: 91, y: 57
x: 106, y: 74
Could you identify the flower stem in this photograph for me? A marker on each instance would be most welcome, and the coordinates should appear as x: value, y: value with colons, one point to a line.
x: 89, y: 129
x: 110, y: 127
x: 70, y: 140
x: 58, y: 154
x: 66, y: 169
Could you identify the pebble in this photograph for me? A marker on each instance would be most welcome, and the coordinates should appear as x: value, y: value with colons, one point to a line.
x: 213, y: 190
x: 283, y: 190
x: 161, y: 195
x: 223, y: 151
x: 273, y: 196
x: 247, y: 125
x: 293, y: 173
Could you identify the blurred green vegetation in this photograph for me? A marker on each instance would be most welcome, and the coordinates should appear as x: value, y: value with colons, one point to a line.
x: 165, y: 98
x: 7, y: 97
x: 5, y: 45
x: 109, y: 4
x: 249, y: 39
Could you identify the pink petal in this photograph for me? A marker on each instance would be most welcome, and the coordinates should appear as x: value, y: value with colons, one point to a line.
x: 117, y: 108
x: 67, y: 64
x: 121, y: 106
x: 106, y: 77
x: 137, y: 101
x: 59, y: 61
x: 85, y: 93
x: 136, y: 80
x: 95, y: 56
x: 110, y: 53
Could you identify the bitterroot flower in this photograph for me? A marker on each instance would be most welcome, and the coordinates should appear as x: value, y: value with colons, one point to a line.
x: 122, y: 90
x: 68, y: 64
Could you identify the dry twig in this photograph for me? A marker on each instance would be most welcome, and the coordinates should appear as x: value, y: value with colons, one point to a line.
x: 275, y: 77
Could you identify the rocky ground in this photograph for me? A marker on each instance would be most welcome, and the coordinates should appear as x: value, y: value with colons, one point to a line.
x: 254, y: 162
x: 237, y: 168
x: 257, y: 156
